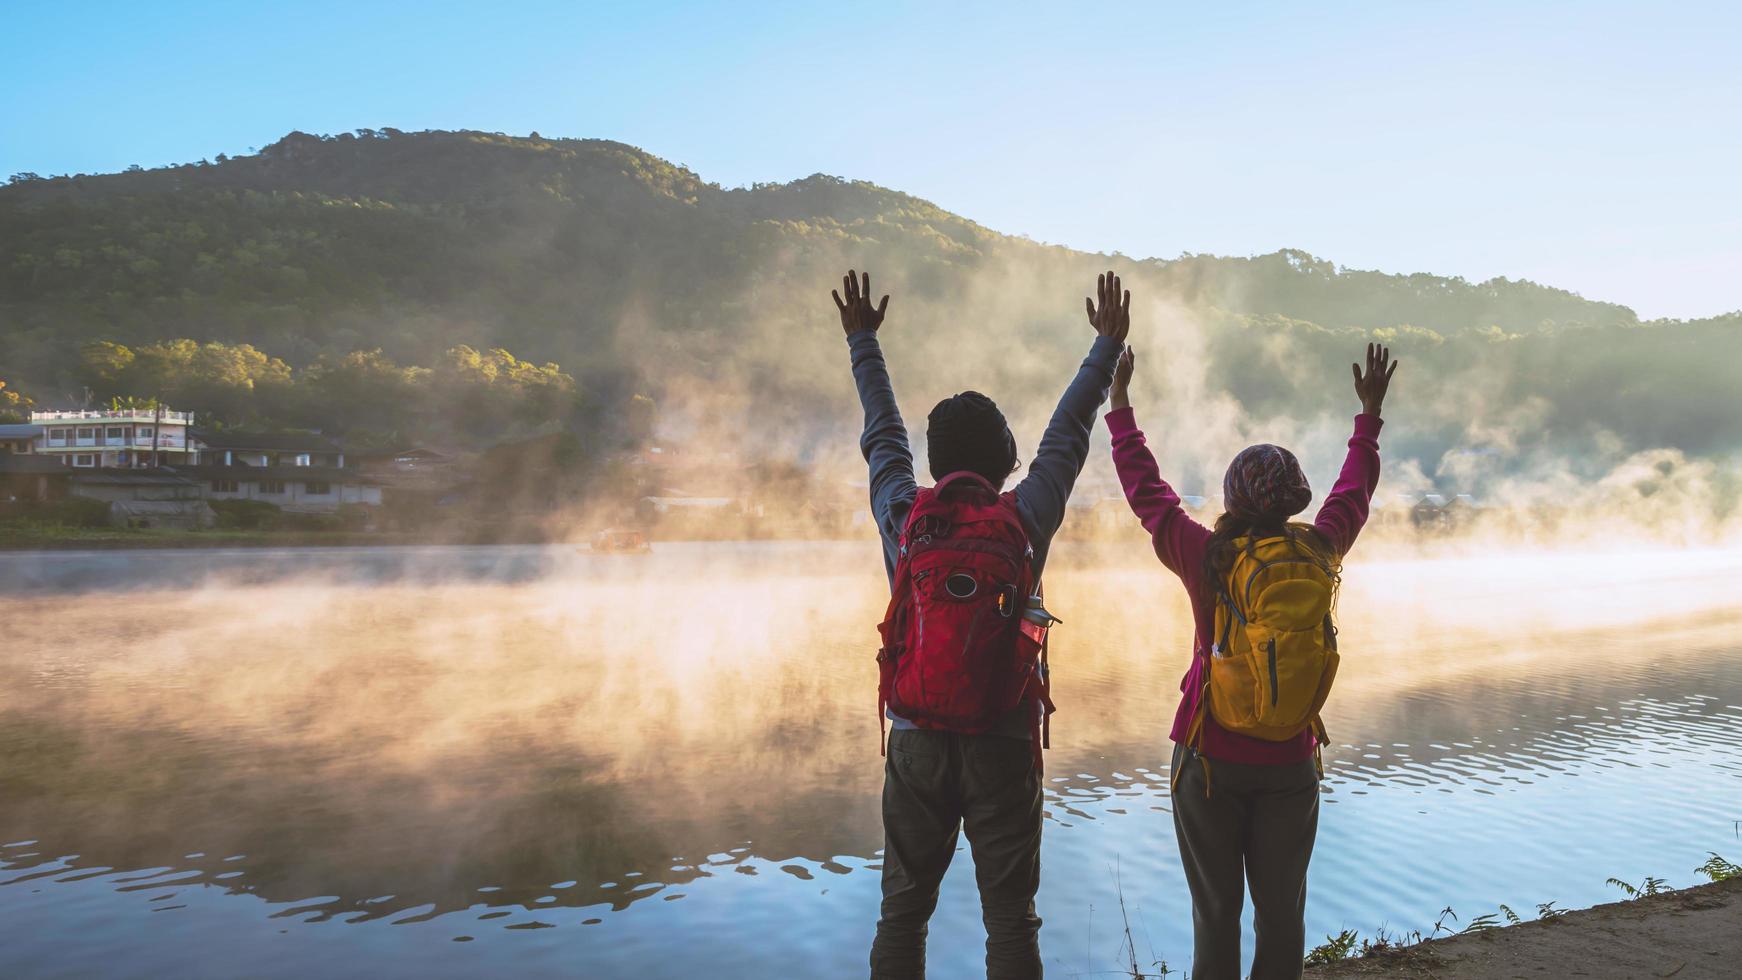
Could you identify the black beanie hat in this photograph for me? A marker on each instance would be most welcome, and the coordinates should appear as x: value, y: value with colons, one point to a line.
x: 968, y: 432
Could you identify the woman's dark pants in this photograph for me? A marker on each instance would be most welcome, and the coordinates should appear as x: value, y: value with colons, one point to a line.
x: 1256, y: 828
x: 934, y: 785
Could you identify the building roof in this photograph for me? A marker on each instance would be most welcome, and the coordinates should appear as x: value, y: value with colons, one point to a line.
x: 20, y: 430
x: 405, y: 456
x: 160, y: 477
x: 420, y: 452
x: 16, y: 463
x: 280, y: 442
x: 99, y: 416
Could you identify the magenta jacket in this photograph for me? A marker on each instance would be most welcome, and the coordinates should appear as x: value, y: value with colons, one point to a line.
x: 1180, y: 543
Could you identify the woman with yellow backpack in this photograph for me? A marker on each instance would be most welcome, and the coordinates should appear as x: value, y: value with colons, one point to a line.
x: 1246, y: 771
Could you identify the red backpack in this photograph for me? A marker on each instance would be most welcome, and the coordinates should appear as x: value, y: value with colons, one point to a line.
x: 959, y: 653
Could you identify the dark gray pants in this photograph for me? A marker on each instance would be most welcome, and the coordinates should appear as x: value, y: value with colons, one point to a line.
x: 934, y: 785
x: 1258, y: 823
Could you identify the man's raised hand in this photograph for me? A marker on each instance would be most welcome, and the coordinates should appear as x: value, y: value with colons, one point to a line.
x: 1110, y: 311
x: 856, y: 311
x: 1370, y: 386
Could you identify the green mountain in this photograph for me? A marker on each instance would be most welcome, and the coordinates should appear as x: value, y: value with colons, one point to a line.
x: 609, y: 273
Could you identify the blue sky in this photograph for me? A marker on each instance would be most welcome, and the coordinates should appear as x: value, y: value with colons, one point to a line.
x: 1592, y: 146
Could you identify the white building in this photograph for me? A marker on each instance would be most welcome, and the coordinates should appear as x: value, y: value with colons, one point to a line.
x: 297, y: 489
x: 301, y: 472
x: 115, y: 437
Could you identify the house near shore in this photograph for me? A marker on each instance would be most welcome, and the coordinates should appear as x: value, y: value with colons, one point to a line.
x: 155, y: 498
x: 414, y: 459
x: 230, y: 448
x: 411, y: 469
x: 1425, y: 511
x: 162, y: 483
x: 422, y: 486
x: 18, y: 439
x: 296, y: 488
x: 126, y: 438
x: 1394, y: 509
x: 299, y: 472
x: 26, y: 477
x: 88, y: 452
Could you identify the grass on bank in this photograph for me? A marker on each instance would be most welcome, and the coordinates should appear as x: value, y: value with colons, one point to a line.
x: 1349, y: 943
x: 80, y: 522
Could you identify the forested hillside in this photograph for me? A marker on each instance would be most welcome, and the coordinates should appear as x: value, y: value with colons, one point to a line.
x: 472, y: 285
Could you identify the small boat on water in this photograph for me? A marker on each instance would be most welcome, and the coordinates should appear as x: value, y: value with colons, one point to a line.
x: 621, y: 541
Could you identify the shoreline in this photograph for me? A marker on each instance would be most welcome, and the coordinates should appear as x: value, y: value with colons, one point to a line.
x: 133, y: 540
x: 1690, y: 933
x: 124, y: 540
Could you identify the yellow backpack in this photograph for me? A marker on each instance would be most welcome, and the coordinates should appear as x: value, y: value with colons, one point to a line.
x: 1275, y: 658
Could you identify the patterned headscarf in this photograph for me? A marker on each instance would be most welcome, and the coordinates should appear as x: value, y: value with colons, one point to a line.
x: 1265, y: 481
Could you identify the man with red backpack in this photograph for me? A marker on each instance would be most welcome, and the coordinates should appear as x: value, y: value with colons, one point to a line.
x: 962, y: 669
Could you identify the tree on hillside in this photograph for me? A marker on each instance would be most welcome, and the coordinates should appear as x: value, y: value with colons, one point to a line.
x: 364, y: 390
x: 490, y: 392
x: 400, y: 268
x: 228, y: 383
x: 14, y: 406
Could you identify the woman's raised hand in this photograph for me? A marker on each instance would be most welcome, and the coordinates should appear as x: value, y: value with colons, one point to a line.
x: 1370, y: 386
x: 1122, y: 377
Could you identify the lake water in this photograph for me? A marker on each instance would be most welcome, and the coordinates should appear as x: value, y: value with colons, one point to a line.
x: 542, y: 762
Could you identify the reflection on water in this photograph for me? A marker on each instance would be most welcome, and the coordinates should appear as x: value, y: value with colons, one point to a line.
x: 667, y: 764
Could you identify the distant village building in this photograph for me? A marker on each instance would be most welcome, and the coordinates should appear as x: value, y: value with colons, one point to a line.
x: 157, y: 498
x: 416, y: 467
x: 25, y: 476
x: 18, y: 438
x: 121, y: 485
x: 415, y: 481
x: 416, y: 459
x: 299, y: 489
x: 115, y: 437
x: 225, y: 448
x: 297, y: 472
x: 154, y: 455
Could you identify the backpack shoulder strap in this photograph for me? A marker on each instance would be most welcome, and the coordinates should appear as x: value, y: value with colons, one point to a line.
x: 1225, y: 598
x: 962, y: 480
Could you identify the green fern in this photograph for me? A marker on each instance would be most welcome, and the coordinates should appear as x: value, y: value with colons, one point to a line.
x: 1718, y: 869
x: 1650, y: 886
x: 1482, y: 923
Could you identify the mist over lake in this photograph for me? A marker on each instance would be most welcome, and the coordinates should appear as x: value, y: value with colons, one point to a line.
x: 454, y: 762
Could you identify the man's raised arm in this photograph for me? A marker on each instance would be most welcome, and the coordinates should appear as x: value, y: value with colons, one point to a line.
x: 1064, y: 446
x: 884, y: 441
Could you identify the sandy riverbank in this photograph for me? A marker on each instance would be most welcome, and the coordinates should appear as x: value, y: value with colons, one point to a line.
x: 1691, y: 934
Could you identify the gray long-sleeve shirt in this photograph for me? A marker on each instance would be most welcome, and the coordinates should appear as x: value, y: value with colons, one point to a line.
x: 1040, y: 497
